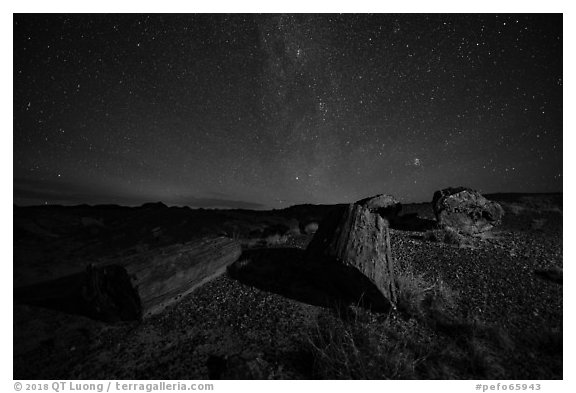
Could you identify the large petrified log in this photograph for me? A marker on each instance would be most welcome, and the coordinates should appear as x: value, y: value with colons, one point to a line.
x: 137, y: 286
x: 466, y: 210
x: 356, y: 241
x: 159, y: 277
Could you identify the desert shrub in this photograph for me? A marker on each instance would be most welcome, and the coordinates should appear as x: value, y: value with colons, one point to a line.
x: 251, y: 243
x: 235, y: 234
x: 242, y: 263
x: 425, y: 340
x: 446, y: 235
x: 272, y: 230
x: 356, y: 349
x: 531, y: 205
x: 363, y: 348
x: 398, y: 349
x: 411, y: 291
x: 451, y: 236
x: 294, y: 226
x: 245, y: 241
x: 240, y: 266
x: 422, y: 298
x: 514, y: 209
x: 311, y: 227
x: 482, y: 346
x: 276, y: 239
x: 433, y: 235
x: 537, y: 223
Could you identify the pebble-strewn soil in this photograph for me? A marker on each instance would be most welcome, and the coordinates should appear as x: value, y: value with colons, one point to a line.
x: 264, y: 329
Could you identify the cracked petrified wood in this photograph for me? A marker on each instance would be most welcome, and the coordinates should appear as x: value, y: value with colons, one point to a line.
x: 137, y: 286
x: 387, y: 206
x: 466, y: 210
x: 355, y: 243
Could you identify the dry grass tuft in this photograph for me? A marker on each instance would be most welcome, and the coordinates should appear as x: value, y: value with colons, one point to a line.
x: 425, y: 340
x: 355, y: 349
x: 239, y: 267
x: 446, y: 235
x: 513, y: 208
x: 275, y: 240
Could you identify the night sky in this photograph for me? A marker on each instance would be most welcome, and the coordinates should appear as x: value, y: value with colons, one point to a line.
x: 267, y: 111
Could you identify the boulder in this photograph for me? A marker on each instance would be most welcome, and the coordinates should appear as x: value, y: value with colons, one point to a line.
x: 353, y: 244
x: 466, y: 210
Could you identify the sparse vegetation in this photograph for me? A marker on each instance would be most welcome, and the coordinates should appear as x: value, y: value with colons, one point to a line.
x: 421, y: 298
x: 234, y: 234
x: 275, y: 240
x: 531, y: 205
x: 359, y: 349
x: 266, y: 238
x: 514, y: 208
x: 538, y: 224
x: 311, y: 227
x: 424, y: 340
x: 242, y: 264
x: 294, y: 227
x: 446, y: 235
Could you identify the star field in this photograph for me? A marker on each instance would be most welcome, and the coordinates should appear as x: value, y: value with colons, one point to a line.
x: 266, y: 111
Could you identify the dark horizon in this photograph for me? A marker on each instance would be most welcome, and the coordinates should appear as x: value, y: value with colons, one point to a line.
x: 269, y: 111
x: 238, y: 205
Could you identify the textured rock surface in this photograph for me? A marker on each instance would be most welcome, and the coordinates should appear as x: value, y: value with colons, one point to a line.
x: 155, y: 279
x: 387, y: 206
x: 357, y: 241
x: 466, y: 210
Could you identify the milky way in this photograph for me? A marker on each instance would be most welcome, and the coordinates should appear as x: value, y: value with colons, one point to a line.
x: 266, y: 111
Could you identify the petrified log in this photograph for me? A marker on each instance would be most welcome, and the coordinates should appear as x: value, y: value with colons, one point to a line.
x: 466, y: 210
x: 356, y: 241
x: 386, y: 205
x: 144, y: 284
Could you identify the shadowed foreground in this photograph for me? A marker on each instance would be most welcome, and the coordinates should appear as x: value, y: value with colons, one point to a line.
x: 481, y: 307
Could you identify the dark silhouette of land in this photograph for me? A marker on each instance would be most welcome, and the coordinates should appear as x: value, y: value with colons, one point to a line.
x: 260, y: 312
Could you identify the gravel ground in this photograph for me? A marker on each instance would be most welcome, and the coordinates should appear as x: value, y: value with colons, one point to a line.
x: 222, y: 318
x: 226, y: 322
x: 496, y: 283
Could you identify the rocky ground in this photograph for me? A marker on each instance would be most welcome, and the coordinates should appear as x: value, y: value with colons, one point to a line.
x: 262, y: 324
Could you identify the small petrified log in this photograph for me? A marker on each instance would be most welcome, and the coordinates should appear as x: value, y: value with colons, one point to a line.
x: 356, y: 241
x: 138, y: 286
